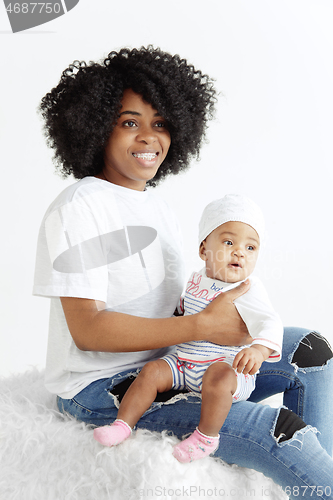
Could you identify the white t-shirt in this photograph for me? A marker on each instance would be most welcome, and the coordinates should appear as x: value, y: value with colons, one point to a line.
x: 109, y: 243
x: 262, y: 321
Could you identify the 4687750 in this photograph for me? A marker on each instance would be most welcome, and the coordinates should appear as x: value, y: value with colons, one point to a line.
x: 34, y: 8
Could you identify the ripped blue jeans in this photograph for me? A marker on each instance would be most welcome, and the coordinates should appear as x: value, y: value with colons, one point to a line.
x: 283, y: 445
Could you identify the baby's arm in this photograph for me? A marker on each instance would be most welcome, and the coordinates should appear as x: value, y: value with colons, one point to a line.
x: 249, y: 360
x: 262, y: 321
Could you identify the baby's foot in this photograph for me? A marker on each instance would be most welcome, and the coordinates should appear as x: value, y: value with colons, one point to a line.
x: 196, y: 446
x: 110, y: 435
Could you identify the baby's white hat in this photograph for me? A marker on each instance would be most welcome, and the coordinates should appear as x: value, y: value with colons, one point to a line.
x: 232, y: 207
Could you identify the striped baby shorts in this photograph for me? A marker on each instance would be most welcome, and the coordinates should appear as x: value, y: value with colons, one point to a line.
x: 188, y: 375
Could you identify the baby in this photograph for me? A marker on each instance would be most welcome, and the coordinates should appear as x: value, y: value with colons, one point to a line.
x: 230, y: 232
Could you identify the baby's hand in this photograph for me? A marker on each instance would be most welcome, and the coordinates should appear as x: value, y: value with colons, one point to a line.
x: 249, y: 360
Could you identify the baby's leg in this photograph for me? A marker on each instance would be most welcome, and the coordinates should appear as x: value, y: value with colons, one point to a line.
x: 155, y: 376
x: 218, y: 385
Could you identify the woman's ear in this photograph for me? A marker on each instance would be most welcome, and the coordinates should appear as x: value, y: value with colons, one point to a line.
x: 202, y: 250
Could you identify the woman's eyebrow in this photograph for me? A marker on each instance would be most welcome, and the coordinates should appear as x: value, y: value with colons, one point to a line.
x: 130, y: 113
x: 135, y: 113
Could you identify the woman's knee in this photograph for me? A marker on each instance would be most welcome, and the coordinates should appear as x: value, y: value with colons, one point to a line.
x: 313, y: 350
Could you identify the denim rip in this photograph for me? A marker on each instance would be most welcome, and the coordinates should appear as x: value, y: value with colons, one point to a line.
x: 298, y: 436
x: 117, y: 379
x: 312, y: 341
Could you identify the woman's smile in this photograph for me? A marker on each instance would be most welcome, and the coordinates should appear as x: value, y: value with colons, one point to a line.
x: 146, y: 159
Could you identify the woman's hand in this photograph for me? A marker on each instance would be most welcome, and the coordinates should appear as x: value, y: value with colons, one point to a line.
x: 221, y: 320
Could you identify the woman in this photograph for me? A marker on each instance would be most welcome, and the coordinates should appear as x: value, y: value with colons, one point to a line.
x: 110, y: 258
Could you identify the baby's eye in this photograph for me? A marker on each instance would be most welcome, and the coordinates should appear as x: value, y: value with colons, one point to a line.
x: 228, y: 242
x: 251, y: 248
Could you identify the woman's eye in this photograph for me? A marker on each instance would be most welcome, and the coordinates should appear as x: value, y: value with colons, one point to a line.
x: 129, y: 123
x: 160, y: 125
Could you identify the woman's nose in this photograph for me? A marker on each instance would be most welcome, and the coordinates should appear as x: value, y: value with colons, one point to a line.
x: 147, y: 135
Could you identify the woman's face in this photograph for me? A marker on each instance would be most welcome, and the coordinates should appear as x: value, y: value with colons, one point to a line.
x: 137, y: 145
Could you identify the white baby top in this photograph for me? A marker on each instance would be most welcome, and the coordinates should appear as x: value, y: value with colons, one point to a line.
x: 109, y: 243
x: 263, y: 323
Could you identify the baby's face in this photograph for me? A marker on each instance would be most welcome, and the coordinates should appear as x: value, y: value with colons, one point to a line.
x: 230, y: 252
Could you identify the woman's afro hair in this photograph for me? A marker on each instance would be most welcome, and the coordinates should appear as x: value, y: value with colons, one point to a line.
x: 81, y: 110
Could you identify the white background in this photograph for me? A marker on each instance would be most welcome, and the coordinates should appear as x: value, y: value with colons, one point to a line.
x: 272, y: 140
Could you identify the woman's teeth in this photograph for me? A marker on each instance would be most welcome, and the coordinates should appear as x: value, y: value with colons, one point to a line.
x: 145, y: 156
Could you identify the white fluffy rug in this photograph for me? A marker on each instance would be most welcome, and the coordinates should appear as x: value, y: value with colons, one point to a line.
x: 45, y: 456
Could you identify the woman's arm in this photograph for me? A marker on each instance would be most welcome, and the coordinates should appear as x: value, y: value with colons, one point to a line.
x: 95, y: 329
